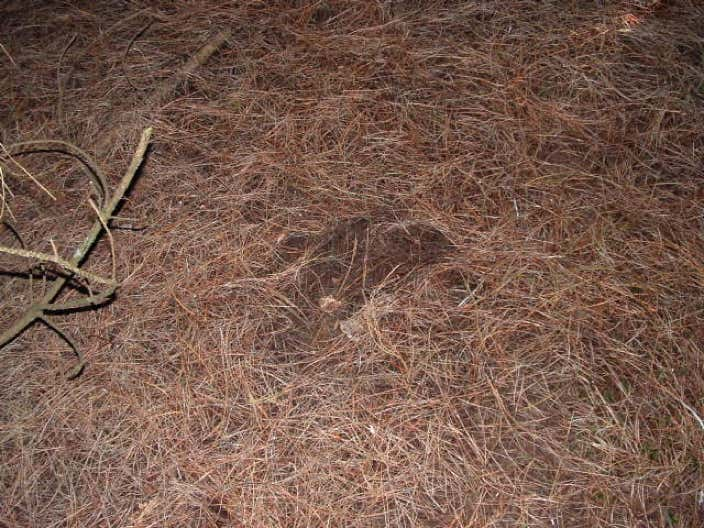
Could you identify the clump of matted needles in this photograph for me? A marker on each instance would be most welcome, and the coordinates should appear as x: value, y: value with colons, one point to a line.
x: 390, y: 263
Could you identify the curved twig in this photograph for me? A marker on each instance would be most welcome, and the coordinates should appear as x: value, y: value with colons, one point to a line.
x: 63, y: 81
x: 127, y: 51
x: 78, y: 368
x: 84, y: 302
x: 60, y: 102
x: 37, y: 310
x: 92, y: 169
x: 12, y: 229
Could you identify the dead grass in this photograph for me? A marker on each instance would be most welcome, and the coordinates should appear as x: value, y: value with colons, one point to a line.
x: 389, y: 264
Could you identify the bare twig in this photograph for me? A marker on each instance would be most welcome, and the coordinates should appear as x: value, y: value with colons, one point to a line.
x: 63, y: 81
x: 55, y: 259
x: 91, y: 167
x: 60, y: 103
x: 80, y: 365
x: 8, y: 55
x: 37, y: 310
x: 127, y: 51
x: 105, y: 221
x: 167, y: 87
x: 27, y: 173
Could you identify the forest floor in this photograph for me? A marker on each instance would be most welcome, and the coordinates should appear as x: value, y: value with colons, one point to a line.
x: 387, y: 263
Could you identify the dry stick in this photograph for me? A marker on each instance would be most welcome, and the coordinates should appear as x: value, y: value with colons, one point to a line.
x: 164, y: 90
x: 37, y: 310
x: 107, y: 212
x: 78, y: 368
x: 14, y: 231
x: 55, y: 259
x: 3, y: 188
x: 60, y: 103
x: 50, y: 145
x: 127, y: 51
x: 84, y: 302
x: 26, y: 172
x: 8, y: 55
x: 92, y: 169
x: 167, y: 87
x: 105, y: 221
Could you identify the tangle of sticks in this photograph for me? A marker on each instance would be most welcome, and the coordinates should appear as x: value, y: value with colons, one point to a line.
x: 40, y: 310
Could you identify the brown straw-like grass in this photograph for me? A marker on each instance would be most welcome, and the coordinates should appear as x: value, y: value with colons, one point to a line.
x: 389, y: 263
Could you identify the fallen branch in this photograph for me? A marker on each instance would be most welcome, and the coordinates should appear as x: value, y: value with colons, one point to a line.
x: 167, y: 87
x: 38, y: 310
x: 55, y: 259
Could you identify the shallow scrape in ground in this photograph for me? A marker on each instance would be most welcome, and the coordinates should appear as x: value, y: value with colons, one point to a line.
x: 389, y: 263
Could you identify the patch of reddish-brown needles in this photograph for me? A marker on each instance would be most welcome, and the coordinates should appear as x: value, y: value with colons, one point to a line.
x: 388, y: 263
